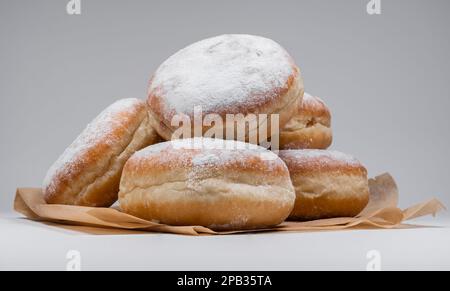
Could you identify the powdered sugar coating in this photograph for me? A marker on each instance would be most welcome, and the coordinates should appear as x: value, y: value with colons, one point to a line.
x: 308, y: 97
x: 209, y: 151
x: 212, y: 164
x: 227, y: 71
x: 320, y: 156
x: 100, y: 129
x: 313, y: 104
x: 203, y: 156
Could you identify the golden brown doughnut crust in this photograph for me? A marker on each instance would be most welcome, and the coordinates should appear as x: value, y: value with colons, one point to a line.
x: 310, y: 128
x: 280, y: 98
x: 88, y: 172
x: 327, y: 184
x: 223, y: 189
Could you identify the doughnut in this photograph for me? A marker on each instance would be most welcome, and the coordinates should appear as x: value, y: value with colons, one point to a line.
x: 88, y: 172
x: 310, y: 128
x: 228, y: 74
x: 327, y: 184
x: 222, y: 185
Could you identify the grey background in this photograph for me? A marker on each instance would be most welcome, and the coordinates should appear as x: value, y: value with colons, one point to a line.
x: 385, y: 77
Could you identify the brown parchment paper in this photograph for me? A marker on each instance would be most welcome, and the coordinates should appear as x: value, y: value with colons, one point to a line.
x: 381, y: 212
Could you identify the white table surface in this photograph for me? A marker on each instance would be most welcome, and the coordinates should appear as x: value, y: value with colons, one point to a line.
x: 31, y: 245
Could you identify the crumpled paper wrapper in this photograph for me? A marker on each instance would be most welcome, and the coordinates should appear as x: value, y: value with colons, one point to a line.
x: 381, y: 212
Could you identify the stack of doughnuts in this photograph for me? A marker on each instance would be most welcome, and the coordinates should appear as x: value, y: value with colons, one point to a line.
x: 172, y: 160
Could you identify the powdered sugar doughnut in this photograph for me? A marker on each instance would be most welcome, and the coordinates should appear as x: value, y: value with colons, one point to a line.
x: 327, y: 184
x: 310, y: 127
x: 223, y: 185
x: 88, y: 172
x: 227, y: 74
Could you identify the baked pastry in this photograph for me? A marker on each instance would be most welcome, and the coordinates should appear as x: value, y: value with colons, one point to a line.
x: 228, y: 74
x: 310, y: 128
x: 327, y: 184
x: 223, y: 185
x: 88, y: 172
